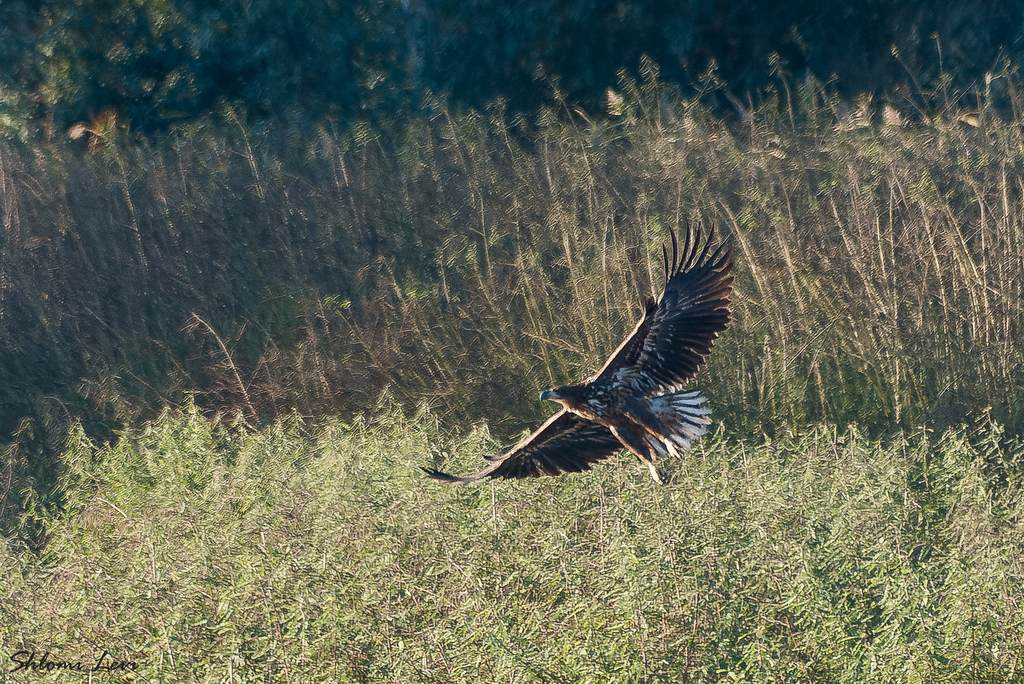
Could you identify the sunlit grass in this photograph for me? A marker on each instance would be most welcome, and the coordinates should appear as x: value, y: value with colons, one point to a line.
x: 470, y: 260
x: 206, y: 550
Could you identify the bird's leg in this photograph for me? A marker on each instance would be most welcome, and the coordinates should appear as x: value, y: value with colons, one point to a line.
x: 659, y: 475
x: 641, y: 450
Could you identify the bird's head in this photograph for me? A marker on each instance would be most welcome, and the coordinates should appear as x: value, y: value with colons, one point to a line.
x: 550, y: 394
x: 569, y: 396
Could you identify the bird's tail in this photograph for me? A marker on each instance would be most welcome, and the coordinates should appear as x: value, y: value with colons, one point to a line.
x: 686, y: 416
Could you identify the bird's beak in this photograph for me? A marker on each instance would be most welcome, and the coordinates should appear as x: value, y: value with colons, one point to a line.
x: 549, y: 394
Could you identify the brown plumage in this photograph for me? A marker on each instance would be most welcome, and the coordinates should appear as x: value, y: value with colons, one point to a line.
x: 636, y: 401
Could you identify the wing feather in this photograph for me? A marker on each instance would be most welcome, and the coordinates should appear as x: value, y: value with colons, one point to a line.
x: 675, y: 335
x: 566, y: 443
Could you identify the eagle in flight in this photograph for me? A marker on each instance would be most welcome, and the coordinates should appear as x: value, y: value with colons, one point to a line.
x: 637, y: 400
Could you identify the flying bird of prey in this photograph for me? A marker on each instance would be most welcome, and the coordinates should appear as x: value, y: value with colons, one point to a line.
x: 637, y: 400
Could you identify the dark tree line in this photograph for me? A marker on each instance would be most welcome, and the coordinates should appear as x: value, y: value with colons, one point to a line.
x: 155, y: 63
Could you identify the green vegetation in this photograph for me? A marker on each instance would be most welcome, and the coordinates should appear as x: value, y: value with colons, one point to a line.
x: 204, y: 550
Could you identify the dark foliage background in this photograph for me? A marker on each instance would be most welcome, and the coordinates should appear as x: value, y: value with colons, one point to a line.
x: 156, y: 63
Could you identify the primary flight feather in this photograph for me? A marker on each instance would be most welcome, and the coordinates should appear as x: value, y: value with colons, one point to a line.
x: 637, y: 400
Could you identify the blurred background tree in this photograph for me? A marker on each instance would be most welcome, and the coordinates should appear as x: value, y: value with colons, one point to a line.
x: 155, y: 62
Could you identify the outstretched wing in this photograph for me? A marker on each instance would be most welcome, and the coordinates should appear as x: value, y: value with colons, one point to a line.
x: 566, y: 443
x: 676, y: 333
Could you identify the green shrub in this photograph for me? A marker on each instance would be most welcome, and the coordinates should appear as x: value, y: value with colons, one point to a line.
x: 202, y: 548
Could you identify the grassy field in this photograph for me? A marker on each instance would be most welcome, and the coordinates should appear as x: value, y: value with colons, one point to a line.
x: 199, y: 550
x: 459, y: 262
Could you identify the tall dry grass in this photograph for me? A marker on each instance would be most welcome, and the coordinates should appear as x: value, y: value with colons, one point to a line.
x: 471, y: 259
